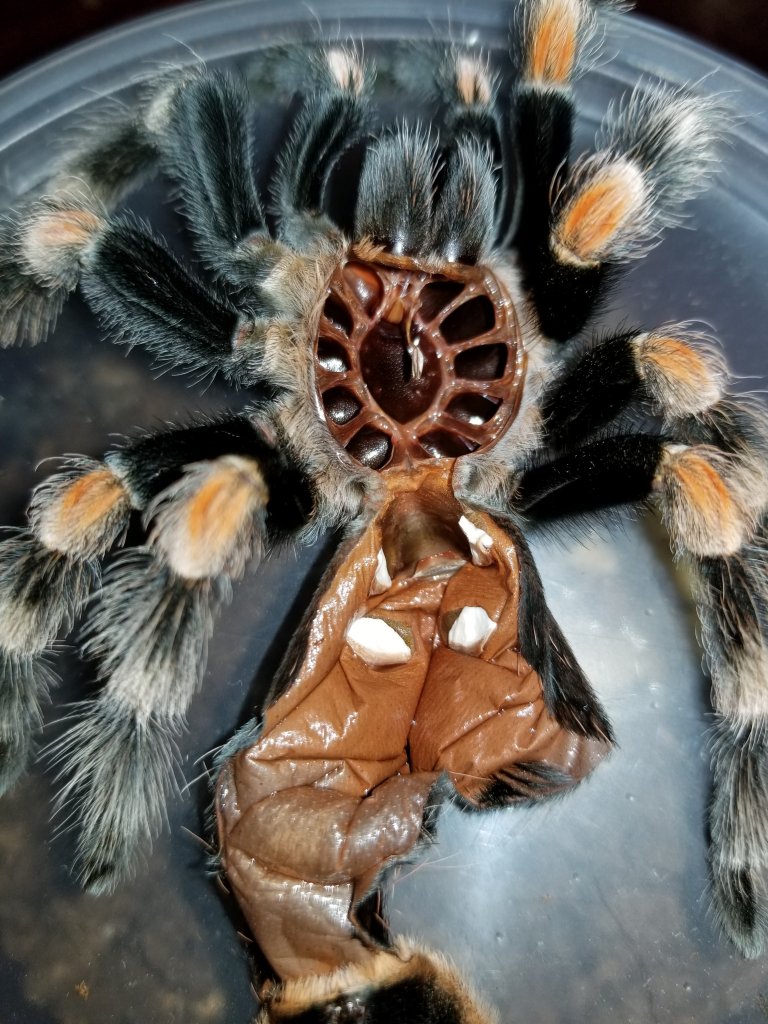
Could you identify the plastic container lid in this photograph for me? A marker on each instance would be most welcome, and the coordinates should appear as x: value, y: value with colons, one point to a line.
x: 590, y: 909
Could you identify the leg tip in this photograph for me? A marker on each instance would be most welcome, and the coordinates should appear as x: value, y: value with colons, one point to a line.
x: 740, y: 904
x: 407, y: 984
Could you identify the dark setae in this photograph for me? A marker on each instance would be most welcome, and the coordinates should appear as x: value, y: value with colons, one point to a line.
x: 419, y: 381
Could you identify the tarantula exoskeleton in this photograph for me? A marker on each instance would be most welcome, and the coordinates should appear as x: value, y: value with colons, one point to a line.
x: 412, y: 382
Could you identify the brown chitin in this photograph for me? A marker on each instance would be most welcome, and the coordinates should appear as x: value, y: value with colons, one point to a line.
x: 352, y: 757
x: 414, y: 363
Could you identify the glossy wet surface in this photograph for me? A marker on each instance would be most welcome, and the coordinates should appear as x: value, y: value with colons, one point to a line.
x: 413, y: 365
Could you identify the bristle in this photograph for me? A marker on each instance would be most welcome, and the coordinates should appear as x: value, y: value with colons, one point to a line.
x: 144, y: 296
x: 567, y: 691
x: 54, y: 235
x: 701, y: 501
x: 306, y: 69
x: 732, y: 600
x: 201, y: 124
x: 118, y: 764
x: 346, y: 69
x: 24, y: 684
x: 211, y: 521
x: 673, y: 136
x: 474, y: 84
x: 394, y: 206
x: 555, y: 32
x: 683, y: 373
x: 81, y: 511
x: 332, y: 120
x: 40, y: 593
x: 460, y: 75
x: 603, y: 205
x: 738, y: 425
x: 42, y: 246
x: 657, y: 150
x: 739, y: 833
x: 150, y: 631
x: 464, y: 214
x: 28, y: 310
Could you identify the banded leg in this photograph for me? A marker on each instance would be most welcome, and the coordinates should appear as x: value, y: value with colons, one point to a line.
x: 137, y: 287
x: 115, y: 152
x: 715, y: 510
x: 553, y: 34
x: 724, y: 536
x: 713, y: 502
x: 151, y: 625
x: 75, y: 517
x: 153, y: 615
x: 332, y: 119
x: 672, y: 372
x: 46, y: 573
x: 656, y: 150
x: 193, y: 123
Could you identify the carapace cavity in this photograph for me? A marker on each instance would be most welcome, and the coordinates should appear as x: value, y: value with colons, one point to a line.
x: 413, y: 364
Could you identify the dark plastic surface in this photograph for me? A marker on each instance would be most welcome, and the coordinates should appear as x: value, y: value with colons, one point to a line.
x: 592, y: 909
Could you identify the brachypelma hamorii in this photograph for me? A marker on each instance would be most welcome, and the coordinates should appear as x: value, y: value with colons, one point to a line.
x: 421, y: 379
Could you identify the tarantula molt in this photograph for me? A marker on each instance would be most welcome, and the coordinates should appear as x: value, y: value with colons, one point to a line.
x: 415, y: 376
